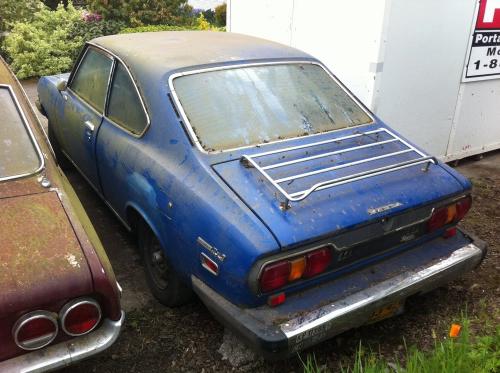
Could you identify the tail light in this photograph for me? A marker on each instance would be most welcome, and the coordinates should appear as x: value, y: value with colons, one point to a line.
x: 449, y: 214
x: 275, y: 275
x: 317, y: 262
x: 35, y: 330
x: 80, y: 316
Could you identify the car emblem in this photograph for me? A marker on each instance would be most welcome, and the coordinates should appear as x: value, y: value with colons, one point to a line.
x: 390, y: 206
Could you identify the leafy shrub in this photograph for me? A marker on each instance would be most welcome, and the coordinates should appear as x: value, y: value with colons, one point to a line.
x: 91, y: 26
x: 44, y: 46
x: 201, y: 24
x: 12, y: 11
x: 139, y: 12
x: 51, y: 42
x: 155, y: 28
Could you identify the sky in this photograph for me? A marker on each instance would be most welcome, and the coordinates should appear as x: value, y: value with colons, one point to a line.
x: 204, y: 4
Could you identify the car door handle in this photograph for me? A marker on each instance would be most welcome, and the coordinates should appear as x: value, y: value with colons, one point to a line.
x: 89, y: 126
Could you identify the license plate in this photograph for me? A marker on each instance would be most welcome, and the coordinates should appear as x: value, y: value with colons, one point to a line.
x: 385, y: 312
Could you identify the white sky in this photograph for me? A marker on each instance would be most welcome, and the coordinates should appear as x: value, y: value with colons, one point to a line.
x: 204, y: 4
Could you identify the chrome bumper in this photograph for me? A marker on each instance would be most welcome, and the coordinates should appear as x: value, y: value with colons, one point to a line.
x: 66, y: 353
x: 359, y: 307
x: 282, y: 331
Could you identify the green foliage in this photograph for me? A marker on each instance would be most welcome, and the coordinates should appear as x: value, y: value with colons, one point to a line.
x: 462, y: 355
x: 88, y: 30
x: 202, y: 23
x: 44, y: 46
x: 209, y: 15
x: 155, y: 28
x: 220, y: 15
x: 143, y: 12
x: 12, y: 11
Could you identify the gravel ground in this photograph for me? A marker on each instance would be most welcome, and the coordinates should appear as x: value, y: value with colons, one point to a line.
x: 188, y: 339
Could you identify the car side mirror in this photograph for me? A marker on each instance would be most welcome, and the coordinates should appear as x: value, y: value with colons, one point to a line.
x: 62, y: 85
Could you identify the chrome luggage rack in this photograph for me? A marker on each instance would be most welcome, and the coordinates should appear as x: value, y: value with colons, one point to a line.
x: 249, y: 161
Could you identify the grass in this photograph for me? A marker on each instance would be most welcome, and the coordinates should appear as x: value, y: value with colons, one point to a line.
x: 464, y: 354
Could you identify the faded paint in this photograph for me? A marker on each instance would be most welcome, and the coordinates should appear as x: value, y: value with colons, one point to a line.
x: 49, y: 250
x: 41, y: 259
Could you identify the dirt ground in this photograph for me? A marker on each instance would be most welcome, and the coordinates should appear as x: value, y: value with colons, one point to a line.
x: 187, y: 339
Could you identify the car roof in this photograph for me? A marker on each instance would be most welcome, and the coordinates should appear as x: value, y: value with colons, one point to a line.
x: 167, y: 51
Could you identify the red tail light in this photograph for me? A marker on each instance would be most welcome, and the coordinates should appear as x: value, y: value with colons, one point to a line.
x: 317, y: 261
x: 35, y: 330
x: 274, y: 276
x: 463, y: 207
x: 449, y: 214
x: 278, y: 274
x: 80, y: 316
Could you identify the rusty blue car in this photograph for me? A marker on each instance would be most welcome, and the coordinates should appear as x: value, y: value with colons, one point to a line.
x: 255, y: 179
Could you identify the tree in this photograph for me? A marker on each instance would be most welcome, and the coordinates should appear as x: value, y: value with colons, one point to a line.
x: 220, y: 15
x: 12, y: 11
x: 209, y: 15
x: 143, y: 12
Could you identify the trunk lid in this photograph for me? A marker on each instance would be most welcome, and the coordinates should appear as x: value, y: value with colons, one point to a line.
x: 347, y: 157
x: 40, y: 257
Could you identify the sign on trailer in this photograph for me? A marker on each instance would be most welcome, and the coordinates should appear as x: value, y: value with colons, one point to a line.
x: 483, y: 56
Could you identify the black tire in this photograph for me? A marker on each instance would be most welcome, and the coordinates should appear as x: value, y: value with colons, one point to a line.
x: 61, y: 159
x: 163, y: 282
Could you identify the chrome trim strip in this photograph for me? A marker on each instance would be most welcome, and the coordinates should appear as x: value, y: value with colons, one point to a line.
x: 141, y: 99
x: 66, y: 353
x: 30, y: 134
x: 70, y: 306
x: 400, y: 285
x: 249, y: 161
x: 194, y: 137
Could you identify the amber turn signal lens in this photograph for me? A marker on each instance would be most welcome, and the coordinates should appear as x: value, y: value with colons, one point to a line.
x: 297, y: 267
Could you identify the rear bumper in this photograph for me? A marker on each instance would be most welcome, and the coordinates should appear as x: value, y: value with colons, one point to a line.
x: 283, y: 330
x: 66, y: 353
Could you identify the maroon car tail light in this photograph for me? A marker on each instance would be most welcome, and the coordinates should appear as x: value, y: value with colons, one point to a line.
x: 277, y: 274
x: 80, y: 316
x: 35, y: 330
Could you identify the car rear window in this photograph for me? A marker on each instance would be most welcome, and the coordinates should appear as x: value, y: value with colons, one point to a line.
x: 18, y: 153
x: 244, y: 106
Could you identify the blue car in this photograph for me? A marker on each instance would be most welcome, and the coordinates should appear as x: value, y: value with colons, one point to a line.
x: 255, y: 179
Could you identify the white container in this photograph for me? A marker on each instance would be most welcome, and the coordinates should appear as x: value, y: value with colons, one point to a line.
x: 404, y: 59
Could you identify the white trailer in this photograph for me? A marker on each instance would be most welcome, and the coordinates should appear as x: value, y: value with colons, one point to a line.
x: 429, y: 68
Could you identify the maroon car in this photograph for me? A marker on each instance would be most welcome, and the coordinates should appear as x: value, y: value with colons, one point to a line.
x: 59, y: 299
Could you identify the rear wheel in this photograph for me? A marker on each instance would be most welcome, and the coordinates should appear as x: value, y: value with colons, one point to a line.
x: 61, y: 159
x: 164, y: 283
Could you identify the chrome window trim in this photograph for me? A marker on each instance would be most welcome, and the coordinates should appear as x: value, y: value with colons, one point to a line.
x: 141, y: 99
x: 72, y: 77
x: 194, y: 137
x: 27, y: 126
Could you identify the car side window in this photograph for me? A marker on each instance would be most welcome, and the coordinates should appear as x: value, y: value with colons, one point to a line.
x: 91, y: 78
x: 125, y: 107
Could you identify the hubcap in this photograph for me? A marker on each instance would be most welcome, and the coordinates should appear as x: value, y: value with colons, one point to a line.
x: 159, y: 266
